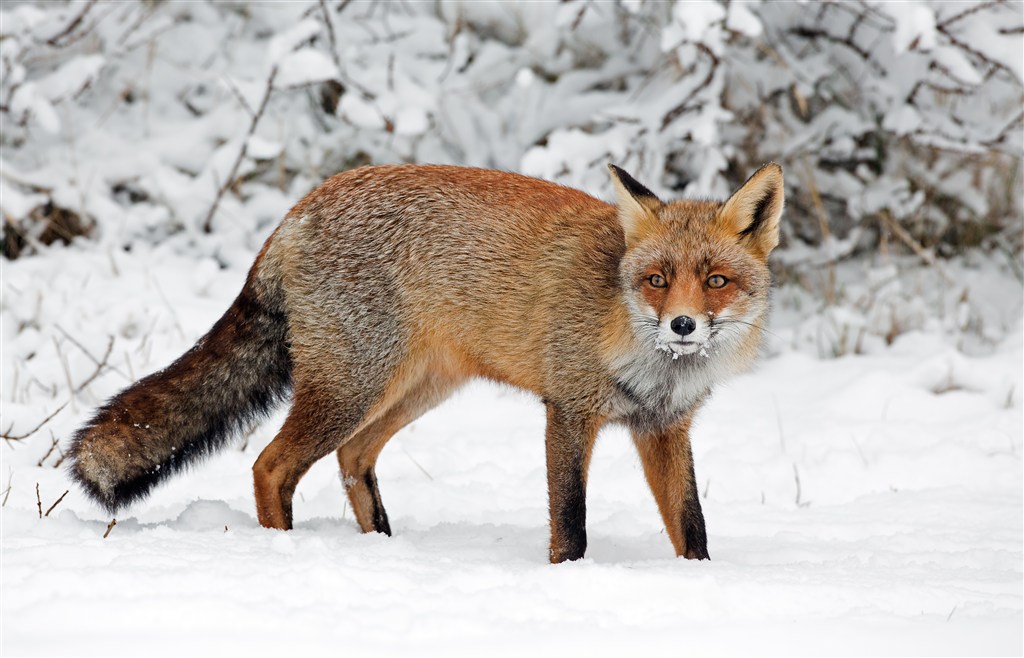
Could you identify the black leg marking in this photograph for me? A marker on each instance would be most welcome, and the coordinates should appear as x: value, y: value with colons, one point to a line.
x: 380, y: 517
x: 694, y: 531
x: 572, y: 522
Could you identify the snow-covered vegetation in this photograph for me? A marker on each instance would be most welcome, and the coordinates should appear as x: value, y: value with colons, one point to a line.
x: 862, y: 489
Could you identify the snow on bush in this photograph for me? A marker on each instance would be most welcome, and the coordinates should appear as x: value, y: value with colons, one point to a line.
x: 126, y: 113
x: 199, y: 124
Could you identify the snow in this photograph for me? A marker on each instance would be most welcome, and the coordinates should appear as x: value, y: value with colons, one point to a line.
x: 290, y: 39
x: 915, y: 25
x: 304, y: 67
x: 864, y: 504
x: 72, y: 77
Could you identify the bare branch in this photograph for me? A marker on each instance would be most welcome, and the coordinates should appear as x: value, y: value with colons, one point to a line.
x: 99, y: 367
x: 208, y: 222
x: 967, y: 12
x: 7, y: 436
x: 914, y: 245
x: 7, y: 491
x: 39, y: 501
x: 53, y: 444
x: 75, y: 22
x: 978, y: 54
x: 815, y: 33
x: 56, y: 503
x: 685, y: 107
x: 240, y: 97
x: 110, y: 526
x: 330, y: 33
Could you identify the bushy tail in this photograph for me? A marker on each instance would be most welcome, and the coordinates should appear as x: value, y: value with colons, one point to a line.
x: 172, y: 418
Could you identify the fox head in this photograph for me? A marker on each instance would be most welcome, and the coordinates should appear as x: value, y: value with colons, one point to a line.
x: 694, y: 274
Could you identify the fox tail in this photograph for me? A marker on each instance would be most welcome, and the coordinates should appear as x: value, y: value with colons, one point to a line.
x: 171, y: 419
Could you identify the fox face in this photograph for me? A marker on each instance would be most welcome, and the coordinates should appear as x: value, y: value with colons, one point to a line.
x: 695, y: 283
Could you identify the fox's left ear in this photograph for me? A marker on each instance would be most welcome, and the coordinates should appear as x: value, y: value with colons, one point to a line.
x: 638, y: 206
x: 753, y: 211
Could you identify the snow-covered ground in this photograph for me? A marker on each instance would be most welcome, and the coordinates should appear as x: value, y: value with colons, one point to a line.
x: 864, y: 504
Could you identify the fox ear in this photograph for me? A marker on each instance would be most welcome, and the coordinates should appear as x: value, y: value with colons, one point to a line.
x: 638, y: 206
x: 753, y: 211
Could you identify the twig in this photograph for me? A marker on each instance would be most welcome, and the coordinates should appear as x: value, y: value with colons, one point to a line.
x: 7, y: 491
x: 6, y: 436
x: 208, y: 222
x: 998, y: 139
x: 826, y: 234
x: 99, y: 368
x: 363, y: 91
x: 239, y: 96
x: 67, y: 374
x: 684, y: 107
x: 39, y: 501
x: 799, y: 491
x: 977, y: 53
x: 56, y: 503
x: 143, y: 16
x: 814, y: 33
x: 53, y: 445
x: 967, y: 12
x: 909, y: 240
x: 413, y: 460
x: 75, y: 22
x: 60, y: 461
x: 110, y: 526
x: 330, y: 33
x: 170, y: 308
x: 579, y: 16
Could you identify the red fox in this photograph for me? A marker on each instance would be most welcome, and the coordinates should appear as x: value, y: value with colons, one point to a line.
x: 388, y: 287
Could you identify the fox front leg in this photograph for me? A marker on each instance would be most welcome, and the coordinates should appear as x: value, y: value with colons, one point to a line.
x: 668, y: 467
x: 570, y: 442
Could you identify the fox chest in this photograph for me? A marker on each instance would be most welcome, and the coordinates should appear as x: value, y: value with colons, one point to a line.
x: 652, y: 394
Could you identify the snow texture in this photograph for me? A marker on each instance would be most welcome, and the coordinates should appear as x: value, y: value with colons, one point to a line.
x: 866, y: 504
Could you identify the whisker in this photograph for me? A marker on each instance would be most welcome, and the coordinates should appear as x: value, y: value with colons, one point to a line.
x: 724, y: 321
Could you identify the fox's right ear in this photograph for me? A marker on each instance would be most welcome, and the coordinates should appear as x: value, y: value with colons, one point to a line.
x: 753, y: 211
x: 638, y: 206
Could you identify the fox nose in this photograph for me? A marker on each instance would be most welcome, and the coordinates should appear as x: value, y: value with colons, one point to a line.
x: 683, y: 325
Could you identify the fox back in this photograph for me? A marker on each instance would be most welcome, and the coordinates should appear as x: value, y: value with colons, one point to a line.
x: 387, y: 288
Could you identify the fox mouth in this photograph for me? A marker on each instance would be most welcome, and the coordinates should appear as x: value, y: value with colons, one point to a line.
x: 679, y: 348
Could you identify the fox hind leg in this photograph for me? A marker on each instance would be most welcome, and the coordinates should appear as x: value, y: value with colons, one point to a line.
x: 320, y: 420
x: 357, y: 456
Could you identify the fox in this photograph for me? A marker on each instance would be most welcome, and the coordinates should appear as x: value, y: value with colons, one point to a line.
x: 389, y: 287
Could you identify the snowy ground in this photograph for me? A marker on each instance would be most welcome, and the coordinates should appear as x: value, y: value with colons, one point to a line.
x: 865, y: 504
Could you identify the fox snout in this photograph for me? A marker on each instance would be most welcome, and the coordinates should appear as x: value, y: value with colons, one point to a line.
x: 683, y: 334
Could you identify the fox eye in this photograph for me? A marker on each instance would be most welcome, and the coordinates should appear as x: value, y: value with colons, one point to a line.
x: 716, y: 281
x: 656, y: 281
